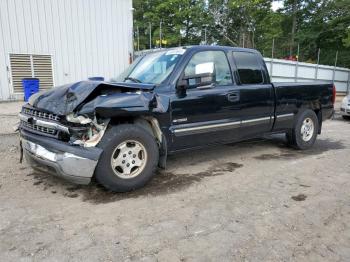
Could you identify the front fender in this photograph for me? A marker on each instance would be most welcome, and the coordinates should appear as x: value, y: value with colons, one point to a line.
x: 118, y: 104
x: 126, y: 104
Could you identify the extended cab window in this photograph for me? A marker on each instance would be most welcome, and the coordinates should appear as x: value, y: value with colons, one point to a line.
x: 214, y: 62
x: 248, y: 67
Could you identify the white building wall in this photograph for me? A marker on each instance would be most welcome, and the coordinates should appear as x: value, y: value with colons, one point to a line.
x: 85, y: 37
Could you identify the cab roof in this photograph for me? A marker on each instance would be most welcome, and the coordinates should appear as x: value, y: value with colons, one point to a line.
x: 212, y: 47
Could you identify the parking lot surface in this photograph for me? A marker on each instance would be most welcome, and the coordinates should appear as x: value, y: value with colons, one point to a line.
x: 253, y: 201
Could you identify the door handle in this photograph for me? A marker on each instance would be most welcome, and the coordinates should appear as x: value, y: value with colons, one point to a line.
x: 233, y: 97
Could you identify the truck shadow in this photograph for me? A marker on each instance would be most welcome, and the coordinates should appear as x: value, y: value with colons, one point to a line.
x: 163, y: 183
x: 166, y: 182
x: 285, y: 152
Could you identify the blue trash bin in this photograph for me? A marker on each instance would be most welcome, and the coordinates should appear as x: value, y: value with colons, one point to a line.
x: 30, y: 86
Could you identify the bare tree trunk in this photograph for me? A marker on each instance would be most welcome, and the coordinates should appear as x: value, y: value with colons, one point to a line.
x: 294, y: 25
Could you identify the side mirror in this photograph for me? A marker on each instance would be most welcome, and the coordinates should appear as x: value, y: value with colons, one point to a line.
x: 197, y: 80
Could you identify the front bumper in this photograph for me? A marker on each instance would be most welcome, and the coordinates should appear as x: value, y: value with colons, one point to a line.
x: 345, y: 111
x: 73, y: 163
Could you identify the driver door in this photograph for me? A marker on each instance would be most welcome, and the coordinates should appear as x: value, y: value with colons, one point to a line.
x: 202, y: 114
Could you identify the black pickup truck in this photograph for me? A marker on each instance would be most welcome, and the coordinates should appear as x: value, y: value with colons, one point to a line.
x: 119, y: 132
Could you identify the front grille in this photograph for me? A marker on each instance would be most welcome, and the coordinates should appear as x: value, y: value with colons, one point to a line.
x: 40, y: 114
x: 31, y: 118
x: 37, y: 128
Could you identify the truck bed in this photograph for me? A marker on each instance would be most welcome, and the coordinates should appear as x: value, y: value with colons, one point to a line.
x: 290, y: 97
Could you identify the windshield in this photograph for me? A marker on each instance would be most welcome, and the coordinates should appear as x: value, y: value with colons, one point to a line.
x: 152, y: 68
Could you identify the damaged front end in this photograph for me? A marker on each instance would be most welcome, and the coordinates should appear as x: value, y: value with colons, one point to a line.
x: 61, y: 128
x: 73, y: 129
x: 61, y: 145
x: 85, y: 131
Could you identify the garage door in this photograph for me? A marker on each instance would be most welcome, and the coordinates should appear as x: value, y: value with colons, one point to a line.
x: 26, y: 66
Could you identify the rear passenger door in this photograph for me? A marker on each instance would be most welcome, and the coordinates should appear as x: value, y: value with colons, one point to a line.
x: 255, y: 92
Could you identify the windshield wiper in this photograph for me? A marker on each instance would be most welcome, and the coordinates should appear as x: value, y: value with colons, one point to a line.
x: 135, y: 80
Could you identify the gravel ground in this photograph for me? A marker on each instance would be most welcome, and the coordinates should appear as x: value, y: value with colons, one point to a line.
x: 8, y: 116
x: 253, y: 201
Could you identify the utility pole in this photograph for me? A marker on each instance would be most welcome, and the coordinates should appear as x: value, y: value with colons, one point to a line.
x: 297, y: 66
x: 294, y: 25
x: 298, y: 52
x: 335, y: 65
x: 253, y: 39
x: 150, y: 35
x: 272, y: 54
x: 318, y: 61
x: 138, y: 38
x: 243, y: 39
x: 318, y: 56
x: 336, y: 59
x: 160, y: 34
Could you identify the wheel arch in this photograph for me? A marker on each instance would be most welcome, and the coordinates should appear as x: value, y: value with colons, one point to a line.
x: 151, y: 125
x: 317, y: 108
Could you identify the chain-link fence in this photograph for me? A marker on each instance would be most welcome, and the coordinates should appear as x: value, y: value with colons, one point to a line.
x: 281, y: 48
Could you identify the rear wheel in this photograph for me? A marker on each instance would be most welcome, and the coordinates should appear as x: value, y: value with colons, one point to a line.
x: 304, y: 133
x: 346, y: 117
x: 129, y: 158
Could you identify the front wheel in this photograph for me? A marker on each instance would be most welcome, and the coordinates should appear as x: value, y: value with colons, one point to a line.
x: 304, y: 133
x: 129, y: 159
x: 346, y: 117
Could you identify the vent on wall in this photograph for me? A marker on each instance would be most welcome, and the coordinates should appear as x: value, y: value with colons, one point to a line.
x: 26, y: 66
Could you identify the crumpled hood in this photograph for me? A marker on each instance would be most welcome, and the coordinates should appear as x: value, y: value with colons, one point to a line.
x: 65, y: 99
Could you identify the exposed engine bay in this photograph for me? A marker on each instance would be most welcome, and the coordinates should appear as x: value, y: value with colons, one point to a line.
x: 88, y: 132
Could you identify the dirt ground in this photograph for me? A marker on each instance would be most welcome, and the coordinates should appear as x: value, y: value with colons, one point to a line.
x: 253, y: 201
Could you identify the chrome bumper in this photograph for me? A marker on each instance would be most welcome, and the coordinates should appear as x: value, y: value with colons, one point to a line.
x: 345, y: 111
x: 69, y: 166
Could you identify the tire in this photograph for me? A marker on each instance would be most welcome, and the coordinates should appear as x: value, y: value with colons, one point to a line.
x: 346, y: 117
x: 305, y: 130
x: 112, y: 171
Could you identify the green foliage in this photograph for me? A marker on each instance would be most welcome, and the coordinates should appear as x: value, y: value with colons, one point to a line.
x: 320, y: 24
x: 181, y: 21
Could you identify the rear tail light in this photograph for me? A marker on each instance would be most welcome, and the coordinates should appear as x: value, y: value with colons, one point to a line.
x: 334, y: 94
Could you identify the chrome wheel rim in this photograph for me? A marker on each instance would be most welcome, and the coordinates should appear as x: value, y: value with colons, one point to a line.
x: 129, y: 159
x: 307, y: 129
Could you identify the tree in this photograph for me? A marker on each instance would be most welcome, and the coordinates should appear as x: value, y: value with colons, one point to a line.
x: 313, y: 24
x: 325, y: 25
x: 180, y: 21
